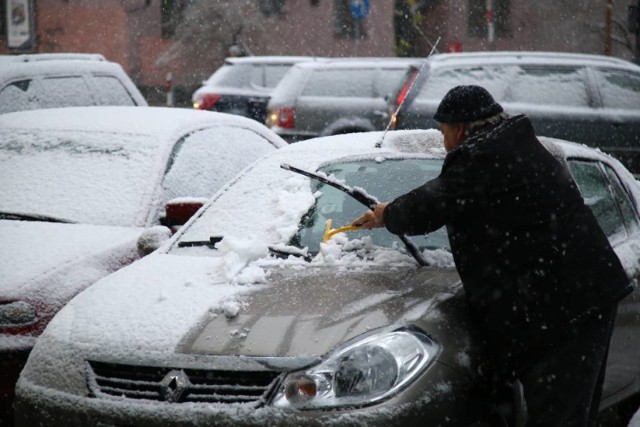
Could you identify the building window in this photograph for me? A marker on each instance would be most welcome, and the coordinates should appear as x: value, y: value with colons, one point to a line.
x: 478, y: 17
x: 344, y: 24
x: 172, y: 12
x: 271, y: 7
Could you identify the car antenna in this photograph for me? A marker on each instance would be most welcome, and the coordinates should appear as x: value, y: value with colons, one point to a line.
x: 395, y: 113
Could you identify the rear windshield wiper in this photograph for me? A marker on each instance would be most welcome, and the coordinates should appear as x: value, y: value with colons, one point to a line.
x: 33, y: 217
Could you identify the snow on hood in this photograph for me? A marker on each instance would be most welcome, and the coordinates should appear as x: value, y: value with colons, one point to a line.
x: 31, y: 250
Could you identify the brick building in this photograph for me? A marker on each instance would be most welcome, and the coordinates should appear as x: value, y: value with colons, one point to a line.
x: 136, y: 33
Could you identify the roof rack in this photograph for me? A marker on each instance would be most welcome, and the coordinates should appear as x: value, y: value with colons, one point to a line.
x: 57, y: 56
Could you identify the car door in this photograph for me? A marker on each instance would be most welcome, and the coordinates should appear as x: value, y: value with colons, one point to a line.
x: 604, y: 192
x: 558, y: 100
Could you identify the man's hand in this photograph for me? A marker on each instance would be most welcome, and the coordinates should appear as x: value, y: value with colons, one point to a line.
x: 372, y: 218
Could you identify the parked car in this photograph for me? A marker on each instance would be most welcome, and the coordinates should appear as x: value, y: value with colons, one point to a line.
x: 257, y: 312
x: 84, y: 191
x: 591, y: 99
x: 243, y: 85
x: 50, y: 80
x: 333, y: 97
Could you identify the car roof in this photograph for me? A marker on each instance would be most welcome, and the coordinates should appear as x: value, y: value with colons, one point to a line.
x: 164, y: 122
x: 361, y: 62
x: 529, y: 57
x: 269, y: 59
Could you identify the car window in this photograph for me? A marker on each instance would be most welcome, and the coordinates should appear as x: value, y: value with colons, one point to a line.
x: 564, y: 86
x: 387, y: 80
x: 100, y: 178
x: 189, y: 172
x: 493, y: 78
x: 341, y: 83
x: 18, y: 96
x: 237, y: 76
x: 629, y: 214
x: 110, y: 91
x: 274, y: 73
x: 68, y: 91
x: 619, y: 89
x: 595, y: 190
x: 383, y: 180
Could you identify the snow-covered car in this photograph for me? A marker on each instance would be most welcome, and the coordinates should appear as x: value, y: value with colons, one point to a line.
x: 81, y: 185
x: 260, y: 311
x: 590, y: 99
x: 243, y: 85
x: 50, y: 80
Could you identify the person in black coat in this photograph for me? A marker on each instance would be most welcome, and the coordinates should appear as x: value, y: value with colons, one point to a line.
x: 540, y: 276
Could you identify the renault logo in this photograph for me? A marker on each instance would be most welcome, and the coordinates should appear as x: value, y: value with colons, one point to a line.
x: 173, y: 385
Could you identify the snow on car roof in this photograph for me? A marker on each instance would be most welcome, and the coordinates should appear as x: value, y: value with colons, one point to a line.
x: 529, y: 57
x: 162, y: 122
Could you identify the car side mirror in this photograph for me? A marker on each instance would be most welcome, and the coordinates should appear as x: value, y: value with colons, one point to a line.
x: 178, y: 211
x: 152, y: 238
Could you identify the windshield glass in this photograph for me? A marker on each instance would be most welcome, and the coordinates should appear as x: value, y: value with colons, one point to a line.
x: 383, y: 180
x: 87, y: 177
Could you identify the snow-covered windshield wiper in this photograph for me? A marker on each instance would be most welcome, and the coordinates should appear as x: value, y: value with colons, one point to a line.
x: 362, y: 197
x: 286, y: 251
x: 279, y: 251
x: 212, y: 242
x: 32, y: 217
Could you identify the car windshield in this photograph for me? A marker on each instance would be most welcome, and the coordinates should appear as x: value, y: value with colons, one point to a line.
x: 91, y: 178
x: 383, y: 180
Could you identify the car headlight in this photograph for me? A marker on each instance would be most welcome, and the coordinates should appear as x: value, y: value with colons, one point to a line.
x: 361, y: 373
x: 16, y: 313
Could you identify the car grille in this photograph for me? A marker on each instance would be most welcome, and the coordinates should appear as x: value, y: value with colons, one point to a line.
x: 178, y: 385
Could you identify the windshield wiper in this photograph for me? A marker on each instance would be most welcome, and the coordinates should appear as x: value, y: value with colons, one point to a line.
x: 362, y: 197
x: 212, y: 242
x: 33, y: 217
x: 286, y: 251
x: 280, y: 252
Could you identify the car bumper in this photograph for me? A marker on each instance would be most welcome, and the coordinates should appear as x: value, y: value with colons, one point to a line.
x: 36, y: 405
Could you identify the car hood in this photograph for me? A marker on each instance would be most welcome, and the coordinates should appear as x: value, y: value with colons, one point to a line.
x: 187, y: 305
x: 32, y: 251
x: 310, y: 312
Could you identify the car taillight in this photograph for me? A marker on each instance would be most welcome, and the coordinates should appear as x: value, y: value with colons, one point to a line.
x: 206, y: 102
x: 406, y: 87
x: 283, y: 117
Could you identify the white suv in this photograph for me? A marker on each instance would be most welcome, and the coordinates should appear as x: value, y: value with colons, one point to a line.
x: 49, y: 80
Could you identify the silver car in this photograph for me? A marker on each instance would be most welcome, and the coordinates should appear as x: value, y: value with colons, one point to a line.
x: 335, y: 96
x: 264, y: 310
x: 51, y: 80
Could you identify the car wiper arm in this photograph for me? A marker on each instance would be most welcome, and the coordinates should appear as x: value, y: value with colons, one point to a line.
x: 284, y: 252
x: 362, y: 197
x: 212, y: 242
x: 33, y: 217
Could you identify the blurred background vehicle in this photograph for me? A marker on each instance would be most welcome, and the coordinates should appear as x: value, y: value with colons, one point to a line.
x: 591, y: 99
x: 344, y: 330
x: 50, y: 80
x: 243, y: 85
x: 81, y: 186
x: 335, y: 96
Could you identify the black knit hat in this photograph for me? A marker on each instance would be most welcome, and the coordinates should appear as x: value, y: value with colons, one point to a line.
x: 464, y: 104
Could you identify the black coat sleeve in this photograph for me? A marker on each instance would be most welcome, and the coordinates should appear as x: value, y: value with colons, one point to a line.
x: 430, y: 206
